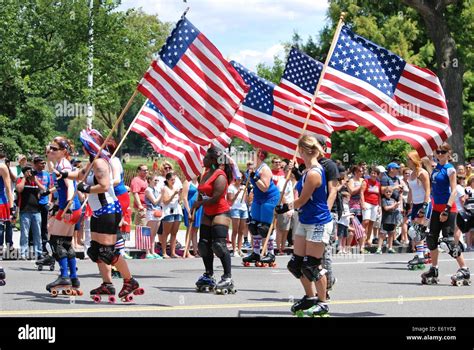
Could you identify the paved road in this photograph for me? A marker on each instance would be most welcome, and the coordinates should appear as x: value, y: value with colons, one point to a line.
x: 373, y: 285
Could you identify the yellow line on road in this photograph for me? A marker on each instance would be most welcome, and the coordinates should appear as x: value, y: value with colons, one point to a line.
x: 132, y: 308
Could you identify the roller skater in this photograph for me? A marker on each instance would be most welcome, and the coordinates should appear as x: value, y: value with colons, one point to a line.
x: 461, y: 278
x: 301, y: 306
x: 443, y: 218
x: 63, y: 285
x: 416, y: 263
x: 205, y: 284
x: 420, y: 203
x: 265, y: 197
x: 215, y: 219
x: 252, y: 258
x: 129, y: 289
x: 321, y: 309
x: 225, y: 286
x: 107, y: 214
x: 313, y: 230
x: 104, y: 289
x: 62, y: 228
x: 2, y: 276
x: 430, y: 277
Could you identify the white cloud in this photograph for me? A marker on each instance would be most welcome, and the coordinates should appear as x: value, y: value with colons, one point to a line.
x: 250, y: 58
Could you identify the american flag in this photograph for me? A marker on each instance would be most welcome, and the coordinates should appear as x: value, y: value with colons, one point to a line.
x: 167, y: 140
x: 301, y: 77
x: 359, y: 229
x: 193, y: 85
x: 271, y: 117
x: 143, y: 237
x: 380, y: 91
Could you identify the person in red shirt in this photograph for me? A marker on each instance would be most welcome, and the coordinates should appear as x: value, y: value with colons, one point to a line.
x: 277, y: 172
x: 370, y: 195
x: 215, y: 221
x: 138, y: 187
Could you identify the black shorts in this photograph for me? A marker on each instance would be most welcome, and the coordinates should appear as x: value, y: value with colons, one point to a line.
x: 447, y: 227
x: 389, y: 227
x: 106, y: 223
x: 342, y: 231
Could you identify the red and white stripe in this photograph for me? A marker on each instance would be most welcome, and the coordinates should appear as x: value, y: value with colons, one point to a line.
x: 168, y: 141
x: 425, y: 127
x: 200, y: 94
x: 338, y: 122
x: 280, y: 132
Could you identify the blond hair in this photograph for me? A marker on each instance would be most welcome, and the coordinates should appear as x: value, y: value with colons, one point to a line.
x: 415, y: 158
x: 162, y: 167
x: 310, y: 145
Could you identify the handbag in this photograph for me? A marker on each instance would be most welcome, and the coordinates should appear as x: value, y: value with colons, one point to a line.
x: 158, y: 213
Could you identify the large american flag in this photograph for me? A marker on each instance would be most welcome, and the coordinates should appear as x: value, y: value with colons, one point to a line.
x: 379, y: 90
x: 193, y: 85
x: 167, y: 140
x: 301, y: 77
x: 143, y: 237
x: 272, y: 118
x: 170, y: 142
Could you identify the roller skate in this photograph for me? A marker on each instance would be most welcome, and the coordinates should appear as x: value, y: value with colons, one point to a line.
x: 130, y: 288
x: 298, y: 309
x: 76, y: 284
x: 205, y: 284
x: 252, y: 258
x: 46, y: 260
x: 430, y: 277
x: 116, y: 273
x: 461, y: 278
x: 104, y: 289
x: 266, y: 261
x: 416, y: 263
x: 2, y: 277
x: 321, y: 309
x: 225, y: 286
x: 62, y: 285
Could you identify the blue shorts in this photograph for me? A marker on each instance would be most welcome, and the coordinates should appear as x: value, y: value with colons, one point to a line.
x: 264, y: 212
x: 239, y: 214
x: 172, y: 218
x: 416, y: 207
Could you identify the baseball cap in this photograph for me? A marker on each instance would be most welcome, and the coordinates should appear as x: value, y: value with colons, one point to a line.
x: 38, y: 160
x: 20, y: 157
x: 381, y: 168
x: 393, y: 165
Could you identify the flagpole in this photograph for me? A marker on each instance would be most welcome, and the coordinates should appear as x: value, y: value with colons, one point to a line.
x: 313, y: 100
x: 89, y: 166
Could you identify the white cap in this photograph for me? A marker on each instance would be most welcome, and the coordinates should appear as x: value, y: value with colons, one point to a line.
x: 381, y: 168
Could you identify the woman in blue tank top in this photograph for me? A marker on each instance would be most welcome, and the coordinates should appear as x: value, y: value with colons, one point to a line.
x: 312, y: 232
x: 265, y: 197
x: 190, y: 195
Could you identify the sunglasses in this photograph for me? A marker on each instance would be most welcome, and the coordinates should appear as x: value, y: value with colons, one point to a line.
x: 53, y: 148
x: 461, y: 178
x: 440, y: 151
x: 167, y: 168
x: 143, y: 169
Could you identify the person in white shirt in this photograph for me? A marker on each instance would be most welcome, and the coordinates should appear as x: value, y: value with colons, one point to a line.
x: 237, y: 198
x: 284, y: 220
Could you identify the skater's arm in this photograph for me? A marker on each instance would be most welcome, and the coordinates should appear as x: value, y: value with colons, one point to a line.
x: 313, y: 181
x: 116, y: 170
x: 263, y: 183
x: 102, y: 176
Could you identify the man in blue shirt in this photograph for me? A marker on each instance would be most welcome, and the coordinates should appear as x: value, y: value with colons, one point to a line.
x: 45, y: 179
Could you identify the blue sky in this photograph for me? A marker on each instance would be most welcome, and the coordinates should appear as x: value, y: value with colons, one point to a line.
x: 247, y: 31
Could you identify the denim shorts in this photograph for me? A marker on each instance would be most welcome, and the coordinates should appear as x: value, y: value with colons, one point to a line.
x: 172, y: 218
x: 314, y: 232
x: 239, y: 214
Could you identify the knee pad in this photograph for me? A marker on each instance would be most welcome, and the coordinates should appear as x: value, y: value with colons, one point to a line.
x: 93, y: 251
x: 204, y: 247
x: 262, y: 229
x: 454, y: 249
x: 219, y: 247
x: 294, y: 266
x: 431, y: 242
x: 417, y: 232
x: 311, y: 268
x: 108, y: 254
x: 253, y: 228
